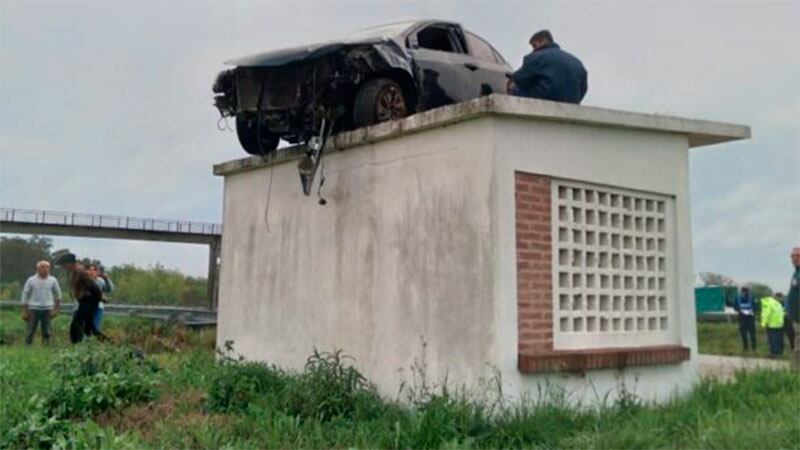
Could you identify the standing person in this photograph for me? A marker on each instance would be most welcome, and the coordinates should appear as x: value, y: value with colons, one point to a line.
x: 788, y: 329
x: 41, y: 298
x: 793, y: 302
x: 747, y: 307
x: 101, y: 272
x: 87, y: 294
x: 108, y: 288
x: 549, y: 73
x: 95, y: 273
x: 772, y: 320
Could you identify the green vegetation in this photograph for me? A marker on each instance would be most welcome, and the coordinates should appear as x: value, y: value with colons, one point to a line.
x: 721, y: 338
x: 155, y: 285
x: 174, y: 392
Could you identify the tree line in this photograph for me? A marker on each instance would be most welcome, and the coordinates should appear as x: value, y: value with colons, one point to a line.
x: 758, y: 290
x: 155, y: 285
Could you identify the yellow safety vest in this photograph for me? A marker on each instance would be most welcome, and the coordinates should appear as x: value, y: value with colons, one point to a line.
x: 771, y: 313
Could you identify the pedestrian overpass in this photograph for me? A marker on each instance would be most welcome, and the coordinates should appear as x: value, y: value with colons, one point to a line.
x: 58, y: 223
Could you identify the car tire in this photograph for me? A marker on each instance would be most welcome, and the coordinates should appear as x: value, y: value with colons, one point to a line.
x: 247, y: 131
x: 379, y: 100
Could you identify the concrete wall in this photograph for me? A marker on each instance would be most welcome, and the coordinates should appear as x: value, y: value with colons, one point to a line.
x: 401, y: 254
x: 647, y: 161
x: 417, y: 242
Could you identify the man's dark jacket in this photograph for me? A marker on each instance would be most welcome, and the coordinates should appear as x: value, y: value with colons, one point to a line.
x: 793, y: 300
x: 550, y: 73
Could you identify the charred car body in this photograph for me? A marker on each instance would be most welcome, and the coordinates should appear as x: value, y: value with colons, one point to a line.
x: 378, y: 74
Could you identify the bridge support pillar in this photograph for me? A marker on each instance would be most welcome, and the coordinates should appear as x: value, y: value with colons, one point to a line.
x: 213, y: 273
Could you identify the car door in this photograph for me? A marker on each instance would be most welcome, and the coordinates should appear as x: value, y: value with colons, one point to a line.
x: 491, y: 68
x: 442, y: 65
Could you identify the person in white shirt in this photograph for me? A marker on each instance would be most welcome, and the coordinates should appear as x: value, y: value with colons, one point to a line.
x: 41, y: 298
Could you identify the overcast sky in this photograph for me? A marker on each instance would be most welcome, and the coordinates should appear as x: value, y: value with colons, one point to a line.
x: 106, y: 107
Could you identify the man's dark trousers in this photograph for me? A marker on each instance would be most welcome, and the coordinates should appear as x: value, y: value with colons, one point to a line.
x: 788, y: 328
x: 775, y: 339
x: 747, y: 327
x: 34, y: 317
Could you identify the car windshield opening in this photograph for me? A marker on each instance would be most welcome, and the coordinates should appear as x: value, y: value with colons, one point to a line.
x: 436, y: 38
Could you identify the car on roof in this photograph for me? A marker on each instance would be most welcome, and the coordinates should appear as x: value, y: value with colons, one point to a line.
x: 377, y: 74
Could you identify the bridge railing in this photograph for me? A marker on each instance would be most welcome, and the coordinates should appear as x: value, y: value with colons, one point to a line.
x: 107, y: 221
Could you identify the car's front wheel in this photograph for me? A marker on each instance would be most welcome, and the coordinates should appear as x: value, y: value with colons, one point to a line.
x: 379, y: 100
x: 255, y: 140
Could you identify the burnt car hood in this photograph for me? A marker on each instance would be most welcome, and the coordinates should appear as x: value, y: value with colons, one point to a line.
x: 275, y: 58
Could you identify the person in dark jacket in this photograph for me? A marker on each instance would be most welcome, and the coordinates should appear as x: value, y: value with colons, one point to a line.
x: 88, y: 296
x: 793, y: 304
x: 788, y: 328
x: 549, y: 73
x: 747, y: 307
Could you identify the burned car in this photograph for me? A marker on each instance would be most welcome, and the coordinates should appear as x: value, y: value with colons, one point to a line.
x: 378, y: 74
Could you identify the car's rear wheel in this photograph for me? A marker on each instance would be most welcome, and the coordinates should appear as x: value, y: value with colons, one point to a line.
x: 379, y: 100
x: 255, y: 141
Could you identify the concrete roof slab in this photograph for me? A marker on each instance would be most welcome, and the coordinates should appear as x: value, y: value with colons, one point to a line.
x: 698, y: 132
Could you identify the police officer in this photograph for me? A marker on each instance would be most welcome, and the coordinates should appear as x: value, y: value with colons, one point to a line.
x: 772, y: 321
x: 793, y: 304
x: 747, y: 307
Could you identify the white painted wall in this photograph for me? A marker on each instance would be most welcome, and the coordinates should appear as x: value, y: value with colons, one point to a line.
x: 647, y: 161
x: 417, y: 242
x: 401, y: 254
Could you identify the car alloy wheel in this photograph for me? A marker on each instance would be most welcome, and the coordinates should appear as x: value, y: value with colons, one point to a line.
x: 390, y: 104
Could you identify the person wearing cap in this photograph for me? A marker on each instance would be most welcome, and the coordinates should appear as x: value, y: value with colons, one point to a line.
x: 772, y: 321
x: 549, y: 73
x: 87, y: 294
x: 41, y: 298
x: 747, y: 307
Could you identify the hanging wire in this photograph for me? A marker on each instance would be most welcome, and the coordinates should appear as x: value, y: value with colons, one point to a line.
x: 326, y: 136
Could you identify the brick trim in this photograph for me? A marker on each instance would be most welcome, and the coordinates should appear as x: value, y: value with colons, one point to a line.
x: 617, y: 358
x: 535, y: 296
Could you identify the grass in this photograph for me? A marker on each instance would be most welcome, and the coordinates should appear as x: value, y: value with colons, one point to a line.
x: 201, y: 401
x: 720, y: 338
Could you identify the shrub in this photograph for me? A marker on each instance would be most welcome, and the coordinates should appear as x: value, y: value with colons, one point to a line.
x: 235, y: 385
x: 95, y: 377
x: 327, y: 388
x: 39, y: 430
x: 330, y: 388
x: 91, y: 377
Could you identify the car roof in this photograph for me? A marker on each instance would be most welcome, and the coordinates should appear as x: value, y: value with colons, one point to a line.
x: 396, y: 30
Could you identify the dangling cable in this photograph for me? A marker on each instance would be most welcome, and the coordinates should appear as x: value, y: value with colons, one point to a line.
x: 326, y: 136
x: 322, y: 201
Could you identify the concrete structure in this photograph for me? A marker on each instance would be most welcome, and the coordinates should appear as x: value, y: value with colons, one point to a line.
x: 59, y: 223
x: 550, y: 242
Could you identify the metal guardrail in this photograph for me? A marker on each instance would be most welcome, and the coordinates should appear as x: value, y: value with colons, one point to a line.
x: 37, y: 216
x: 189, y: 316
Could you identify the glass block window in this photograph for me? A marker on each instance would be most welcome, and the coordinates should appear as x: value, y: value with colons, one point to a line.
x: 613, y: 276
